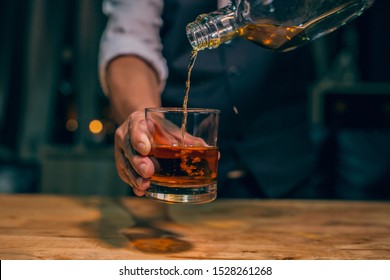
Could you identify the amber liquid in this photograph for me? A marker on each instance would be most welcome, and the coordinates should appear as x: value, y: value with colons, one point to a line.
x: 177, y: 166
x: 285, y: 38
x: 273, y: 37
x: 191, y: 63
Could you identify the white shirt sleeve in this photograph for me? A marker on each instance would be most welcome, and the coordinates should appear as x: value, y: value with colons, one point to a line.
x: 133, y: 28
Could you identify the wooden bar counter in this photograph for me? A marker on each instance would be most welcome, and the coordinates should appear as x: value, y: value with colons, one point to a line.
x: 67, y: 227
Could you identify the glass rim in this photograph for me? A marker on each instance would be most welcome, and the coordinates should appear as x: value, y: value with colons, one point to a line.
x: 181, y: 110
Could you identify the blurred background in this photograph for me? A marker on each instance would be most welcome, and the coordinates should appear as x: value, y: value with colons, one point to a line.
x: 55, y: 129
x: 56, y: 133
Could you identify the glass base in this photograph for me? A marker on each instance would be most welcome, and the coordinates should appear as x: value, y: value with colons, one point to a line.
x: 189, y: 195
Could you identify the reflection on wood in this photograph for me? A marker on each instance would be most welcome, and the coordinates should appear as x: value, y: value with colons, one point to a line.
x: 52, y: 227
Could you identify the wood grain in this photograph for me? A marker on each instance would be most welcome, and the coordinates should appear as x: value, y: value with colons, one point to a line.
x: 63, y: 227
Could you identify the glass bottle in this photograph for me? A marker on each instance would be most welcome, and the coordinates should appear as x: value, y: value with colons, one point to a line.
x: 273, y: 24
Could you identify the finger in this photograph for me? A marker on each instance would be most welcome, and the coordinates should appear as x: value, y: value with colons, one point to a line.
x: 138, y: 184
x: 138, y: 136
x: 138, y: 192
x: 142, y: 184
x: 121, y: 166
x: 139, y: 165
x: 134, y: 151
x: 191, y: 140
x: 124, y: 154
x: 127, y: 173
x: 143, y: 166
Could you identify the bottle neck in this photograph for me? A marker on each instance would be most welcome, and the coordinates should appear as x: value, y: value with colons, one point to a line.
x: 211, y: 30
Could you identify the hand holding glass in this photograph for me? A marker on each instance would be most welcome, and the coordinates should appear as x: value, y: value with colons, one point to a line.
x: 185, y: 154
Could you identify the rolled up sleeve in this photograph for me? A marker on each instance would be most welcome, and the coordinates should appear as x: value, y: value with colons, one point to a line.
x: 133, y: 28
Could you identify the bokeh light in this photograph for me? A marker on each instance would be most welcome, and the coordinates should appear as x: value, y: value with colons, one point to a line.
x: 96, y: 126
x: 72, y: 125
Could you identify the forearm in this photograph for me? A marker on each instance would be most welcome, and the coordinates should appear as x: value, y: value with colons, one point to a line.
x: 133, y: 85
